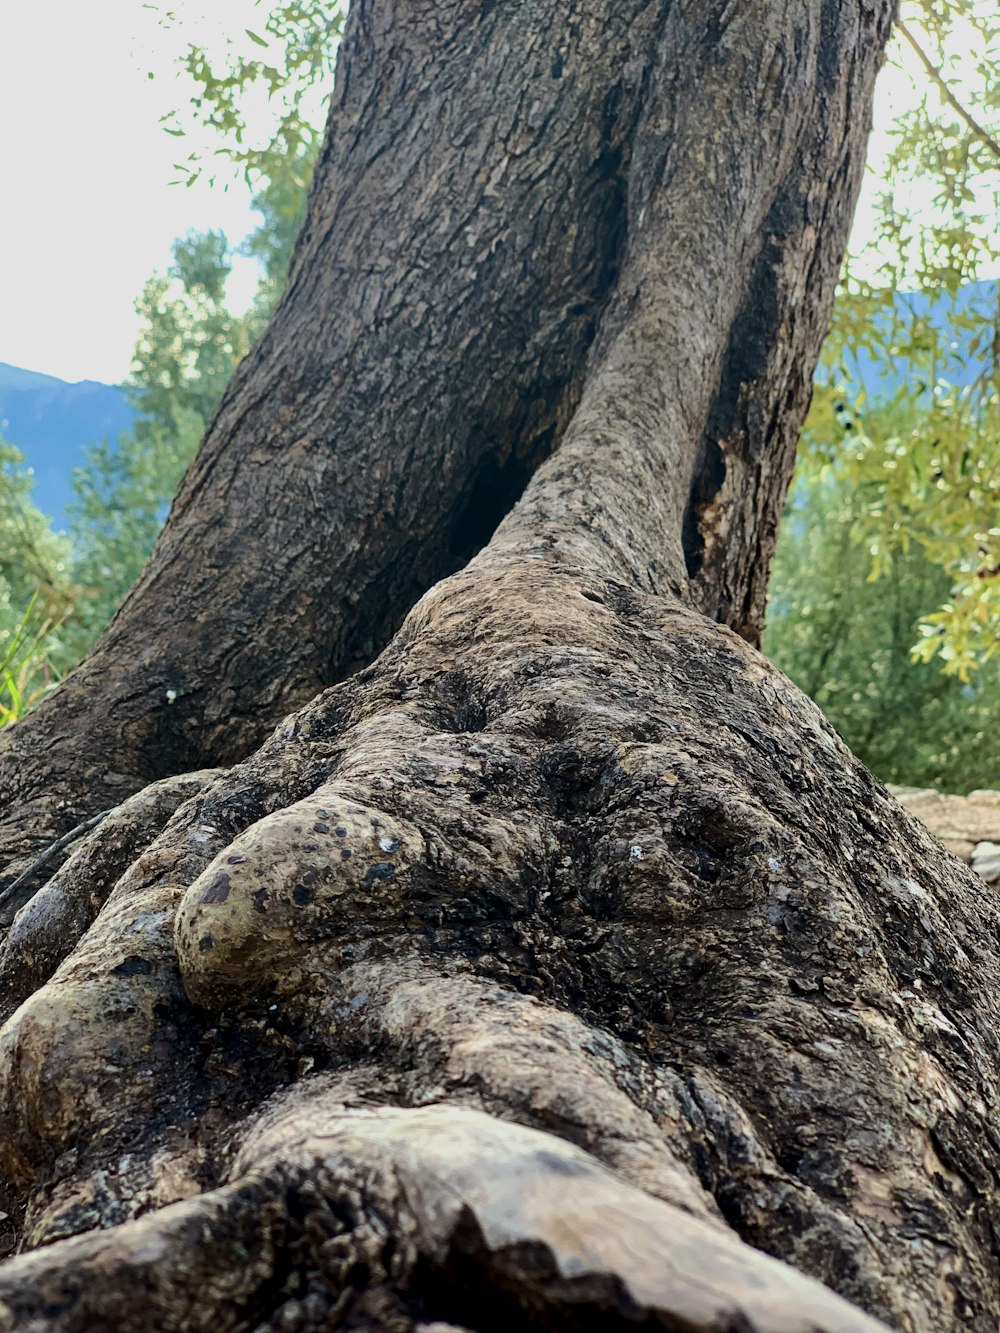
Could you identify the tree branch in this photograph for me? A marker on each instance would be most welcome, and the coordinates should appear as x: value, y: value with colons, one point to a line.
x: 53, y: 849
x: 980, y: 131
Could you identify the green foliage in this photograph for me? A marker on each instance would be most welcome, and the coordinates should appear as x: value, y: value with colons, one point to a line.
x: 923, y: 472
x: 939, y: 199
x: 281, y: 202
x: 846, y: 640
x: 285, y: 63
x: 934, y: 480
x: 189, y: 346
x: 885, y: 595
x: 36, y: 593
x: 190, y: 341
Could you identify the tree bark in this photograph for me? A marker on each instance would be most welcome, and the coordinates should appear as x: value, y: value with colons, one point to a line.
x: 560, y: 969
x: 484, y: 172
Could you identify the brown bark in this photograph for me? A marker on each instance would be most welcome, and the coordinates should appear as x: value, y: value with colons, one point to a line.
x: 486, y: 169
x: 560, y: 969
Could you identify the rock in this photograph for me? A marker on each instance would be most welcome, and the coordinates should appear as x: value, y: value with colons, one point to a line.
x: 986, y: 861
x: 969, y: 826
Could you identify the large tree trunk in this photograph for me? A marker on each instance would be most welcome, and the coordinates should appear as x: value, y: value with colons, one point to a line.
x: 485, y: 170
x: 465, y: 227
x: 560, y: 969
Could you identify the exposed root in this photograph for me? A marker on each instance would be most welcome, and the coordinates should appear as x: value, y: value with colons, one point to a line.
x: 414, y: 1214
x: 47, y: 926
x: 588, y: 894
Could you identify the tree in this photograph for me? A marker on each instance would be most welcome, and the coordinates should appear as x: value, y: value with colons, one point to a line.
x: 538, y: 969
x: 36, y: 591
x: 937, y: 482
x: 847, y: 638
x: 921, y: 458
x: 920, y: 339
x: 189, y: 345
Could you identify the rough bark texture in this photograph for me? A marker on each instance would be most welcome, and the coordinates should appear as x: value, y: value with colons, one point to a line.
x: 560, y: 969
x: 485, y: 171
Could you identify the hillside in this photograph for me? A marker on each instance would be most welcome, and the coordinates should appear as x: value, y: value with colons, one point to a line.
x: 51, y: 422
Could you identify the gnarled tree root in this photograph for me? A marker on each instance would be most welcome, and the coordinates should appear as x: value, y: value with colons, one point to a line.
x: 532, y: 874
x: 389, y: 1218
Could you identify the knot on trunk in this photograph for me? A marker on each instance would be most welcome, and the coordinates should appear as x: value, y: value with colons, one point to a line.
x: 302, y: 875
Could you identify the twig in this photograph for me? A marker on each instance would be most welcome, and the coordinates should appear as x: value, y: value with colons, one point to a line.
x: 980, y: 131
x: 52, y: 850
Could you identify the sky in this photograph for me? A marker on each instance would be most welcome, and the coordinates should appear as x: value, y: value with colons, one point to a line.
x: 91, y: 196
x: 89, y: 205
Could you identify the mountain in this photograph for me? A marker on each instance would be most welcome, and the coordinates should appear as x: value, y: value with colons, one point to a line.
x: 972, y: 312
x: 12, y: 377
x: 51, y: 422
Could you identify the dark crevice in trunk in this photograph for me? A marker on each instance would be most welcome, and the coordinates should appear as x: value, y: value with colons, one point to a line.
x: 499, y: 482
x: 708, y: 479
x: 736, y: 424
x: 495, y: 488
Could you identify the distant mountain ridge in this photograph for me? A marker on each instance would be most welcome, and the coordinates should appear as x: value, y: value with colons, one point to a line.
x: 52, y: 421
x: 13, y: 377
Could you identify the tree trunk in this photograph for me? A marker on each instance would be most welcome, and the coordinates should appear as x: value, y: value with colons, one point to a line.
x: 484, y: 171
x: 560, y: 969
x: 465, y: 227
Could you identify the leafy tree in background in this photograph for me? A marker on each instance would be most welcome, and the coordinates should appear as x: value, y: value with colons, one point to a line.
x: 882, y: 602
x: 281, y: 201
x: 189, y: 346
x: 37, y: 592
x: 846, y: 639
x: 929, y: 471
x: 922, y: 466
x: 890, y: 550
x: 59, y: 592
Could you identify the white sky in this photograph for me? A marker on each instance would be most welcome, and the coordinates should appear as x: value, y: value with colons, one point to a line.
x: 88, y: 209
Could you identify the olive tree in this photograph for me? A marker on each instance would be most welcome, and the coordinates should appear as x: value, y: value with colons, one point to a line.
x: 484, y: 934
